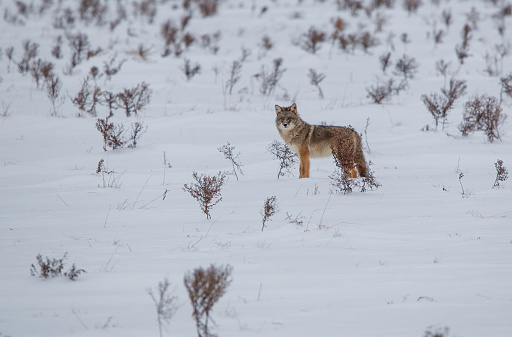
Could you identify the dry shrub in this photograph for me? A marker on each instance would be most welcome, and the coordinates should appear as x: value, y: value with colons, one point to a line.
x: 352, y: 41
x: 234, y: 75
x: 113, y: 134
x: 92, y: 11
x: 483, y: 113
x: 207, y: 190
x: 190, y: 70
x: 383, y: 92
x: 354, y: 6
x: 41, y: 70
x: 164, y: 303
x: 269, y: 209
x: 205, y: 287
x: 134, y: 99
x: 315, y: 79
x: 447, y: 18
x: 268, y: 81
x: 110, y: 68
x: 266, y: 43
x: 53, y: 85
x: 30, y: 51
x: 385, y: 61
x: 406, y: 66
x: 462, y: 50
x: 341, y: 182
x: 287, y: 158
x: 501, y: 173
x: 176, y: 40
x: 138, y: 129
x: 312, y: 40
x: 211, y: 42
x: 57, y: 48
x: 411, y: 6
x: 79, y: 45
x: 227, y: 151
x: 87, y: 97
x: 146, y: 8
x: 207, y: 7
x: 506, y: 85
x: 439, y: 105
x: 49, y: 268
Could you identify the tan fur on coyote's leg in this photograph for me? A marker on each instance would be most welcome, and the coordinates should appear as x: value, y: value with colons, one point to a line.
x: 304, y: 163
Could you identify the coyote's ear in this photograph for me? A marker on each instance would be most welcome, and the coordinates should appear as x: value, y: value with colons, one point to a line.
x: 293, y: 108
x: 278, y: 109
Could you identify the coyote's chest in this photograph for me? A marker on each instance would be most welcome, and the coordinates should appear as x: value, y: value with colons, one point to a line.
x: 307, y: 140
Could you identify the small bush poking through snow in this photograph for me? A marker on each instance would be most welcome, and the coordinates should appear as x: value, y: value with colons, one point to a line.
x: 269, y: 209
x: 207, y: 190
x: 227, y: 151
x: 287, y: 158
x: 165, y: 304
x: 53, y: 268
x: 501, y: 173
x: 268, y: 81
x: 205, y: 287
x: 439, y: 105
x: 483, y: 113
x: 342, y: 183
x: 113, y: 134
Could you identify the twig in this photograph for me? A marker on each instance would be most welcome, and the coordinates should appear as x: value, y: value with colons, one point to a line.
x: 366, y: 134
x: 109, y: 208
x: 78, y: 318
x: 161, y: 195
x: 62, y: 200
x: 142, y: 189
x: 322, y: 217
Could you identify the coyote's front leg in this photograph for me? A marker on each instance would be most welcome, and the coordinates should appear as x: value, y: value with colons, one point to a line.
x: 304, y: 163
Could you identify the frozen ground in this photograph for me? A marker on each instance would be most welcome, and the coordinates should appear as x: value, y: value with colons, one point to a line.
x: 415, y: 255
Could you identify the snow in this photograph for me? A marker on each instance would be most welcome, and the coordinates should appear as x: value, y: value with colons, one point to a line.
x: 413, y: 255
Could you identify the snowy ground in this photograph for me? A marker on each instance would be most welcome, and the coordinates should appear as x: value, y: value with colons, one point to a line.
x: 418, y: 254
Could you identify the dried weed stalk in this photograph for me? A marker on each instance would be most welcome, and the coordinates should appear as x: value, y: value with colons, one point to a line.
x: 269, y: 81
x: 315, y: 79
x: 165, y: 304
x: 501, y: 173
x: 190, y: 70
x: 227, y: 151
x: 269, y: 209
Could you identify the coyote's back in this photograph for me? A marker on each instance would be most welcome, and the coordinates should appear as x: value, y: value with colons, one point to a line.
x: 320, y: 141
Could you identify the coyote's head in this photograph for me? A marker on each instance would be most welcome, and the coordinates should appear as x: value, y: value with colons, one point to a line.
x: 287, y: 118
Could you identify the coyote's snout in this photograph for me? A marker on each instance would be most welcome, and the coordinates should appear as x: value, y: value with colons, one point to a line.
x: 320, y: 141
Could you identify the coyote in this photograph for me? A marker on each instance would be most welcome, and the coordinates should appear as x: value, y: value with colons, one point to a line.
x: 320, y: 141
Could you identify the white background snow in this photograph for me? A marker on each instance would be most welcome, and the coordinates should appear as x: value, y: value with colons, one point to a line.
x: 412, y: 256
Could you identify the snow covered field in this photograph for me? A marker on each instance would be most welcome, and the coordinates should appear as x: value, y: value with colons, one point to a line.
x: 427, y: 250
